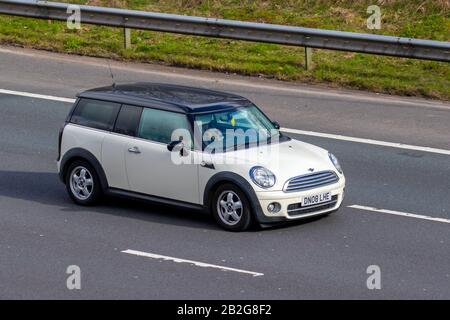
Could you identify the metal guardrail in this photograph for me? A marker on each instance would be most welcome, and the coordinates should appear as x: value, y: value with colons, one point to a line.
x: 239, y: 30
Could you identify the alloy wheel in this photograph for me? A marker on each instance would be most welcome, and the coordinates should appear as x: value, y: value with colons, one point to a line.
x: 229, y: 207
x: 81, y: 183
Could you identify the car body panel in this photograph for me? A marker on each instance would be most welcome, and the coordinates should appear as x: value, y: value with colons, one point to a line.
x: 152, y: 171
x: 114, y: 151
x: 82, y: 137
x: 286, y: 160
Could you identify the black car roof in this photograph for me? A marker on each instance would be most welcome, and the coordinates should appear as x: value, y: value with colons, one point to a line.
x: 167, y: 97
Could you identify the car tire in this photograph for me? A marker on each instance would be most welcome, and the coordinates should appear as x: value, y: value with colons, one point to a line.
x: 83, y: 184
x: 231, y: 208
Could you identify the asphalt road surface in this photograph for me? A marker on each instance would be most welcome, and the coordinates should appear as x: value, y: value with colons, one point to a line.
x: 396, y: 214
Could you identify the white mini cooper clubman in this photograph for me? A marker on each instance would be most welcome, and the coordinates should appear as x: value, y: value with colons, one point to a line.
x: 197, y: 149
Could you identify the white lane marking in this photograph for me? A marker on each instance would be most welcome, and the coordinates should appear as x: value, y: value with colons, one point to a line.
x: 367, y: 141
x: 37, y: 96
x: 195, y: 263
x: 399, y: 213
x: 234, y: 82
x: 288, y: 130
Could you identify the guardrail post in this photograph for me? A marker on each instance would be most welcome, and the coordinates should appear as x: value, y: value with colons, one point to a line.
x: 127, y: 38
x: 308, y: 58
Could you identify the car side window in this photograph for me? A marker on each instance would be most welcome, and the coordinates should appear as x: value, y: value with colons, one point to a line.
x: 95, y: 114
x: 158, y: 125
x: 128, y: 120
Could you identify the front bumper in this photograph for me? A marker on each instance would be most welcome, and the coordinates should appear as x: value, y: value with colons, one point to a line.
x: 294, y: 199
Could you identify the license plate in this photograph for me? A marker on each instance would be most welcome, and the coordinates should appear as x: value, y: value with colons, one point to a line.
x: 316, y: 199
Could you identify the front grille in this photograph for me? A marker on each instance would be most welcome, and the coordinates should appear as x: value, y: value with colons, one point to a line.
x: 296, y: 209
x: 310, y: 181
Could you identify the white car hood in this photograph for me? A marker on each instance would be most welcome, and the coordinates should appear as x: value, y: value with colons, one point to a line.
x: 286, y: 160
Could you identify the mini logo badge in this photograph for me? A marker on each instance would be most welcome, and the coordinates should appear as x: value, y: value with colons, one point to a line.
x: 311, y: 169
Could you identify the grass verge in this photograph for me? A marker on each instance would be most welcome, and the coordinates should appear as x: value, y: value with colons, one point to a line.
x: 420, y: 19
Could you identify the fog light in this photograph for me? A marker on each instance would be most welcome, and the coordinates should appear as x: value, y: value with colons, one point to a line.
x: 274, y: 207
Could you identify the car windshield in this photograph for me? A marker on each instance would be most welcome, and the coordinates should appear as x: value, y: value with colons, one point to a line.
x: 236, y: 128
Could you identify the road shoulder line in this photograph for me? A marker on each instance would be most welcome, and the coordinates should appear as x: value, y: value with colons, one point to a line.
x: 399, y: 213
x: 192, y: 262
x: 36, y: 96
x: 367, y: 141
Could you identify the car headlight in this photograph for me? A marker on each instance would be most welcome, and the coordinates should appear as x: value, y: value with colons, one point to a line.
x: 335, y: 162
x: 262, y: 177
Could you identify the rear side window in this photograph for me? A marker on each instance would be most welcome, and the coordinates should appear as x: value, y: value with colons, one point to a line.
x: 128, y: 120
x: 158, y: 125
x: 95, y: 114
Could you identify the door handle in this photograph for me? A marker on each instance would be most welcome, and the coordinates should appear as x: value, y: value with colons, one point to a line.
x: 208, y: 165
x: 134, y: 150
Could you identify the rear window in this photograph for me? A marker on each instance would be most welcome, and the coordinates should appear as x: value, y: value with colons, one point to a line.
x: 95, y: 114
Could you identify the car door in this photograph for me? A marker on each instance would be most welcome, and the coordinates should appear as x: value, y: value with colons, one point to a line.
x: 151, y: 168
x: 115, y: 146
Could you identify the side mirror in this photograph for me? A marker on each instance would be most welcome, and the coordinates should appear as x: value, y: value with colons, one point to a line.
x: 276, y: 125
x: 178, y: 146
x: 172, y: 145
